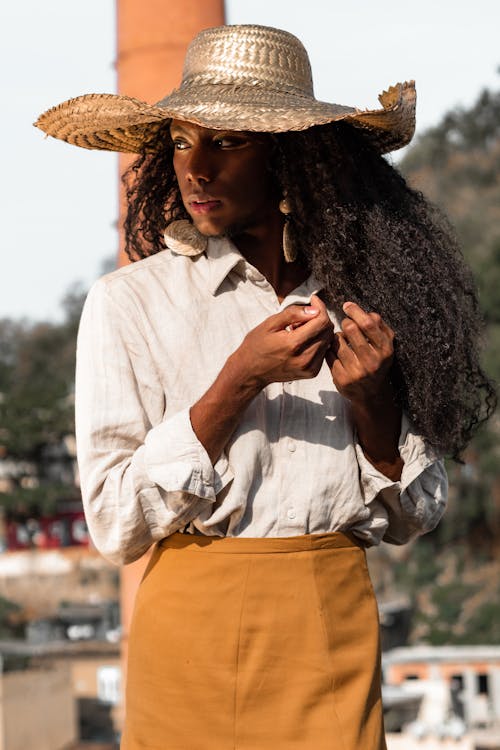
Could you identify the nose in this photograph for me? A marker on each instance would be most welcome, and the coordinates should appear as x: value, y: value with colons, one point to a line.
x: 199, y: 166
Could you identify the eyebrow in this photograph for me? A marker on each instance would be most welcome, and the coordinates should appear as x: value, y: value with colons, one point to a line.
x: 177, y: 129
x: 214, y: 131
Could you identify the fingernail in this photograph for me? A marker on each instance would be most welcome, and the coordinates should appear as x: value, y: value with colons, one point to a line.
x: 310, y: 311
x: 346, y: 306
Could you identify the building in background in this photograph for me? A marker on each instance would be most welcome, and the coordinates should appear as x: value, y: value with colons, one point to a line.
x: 56, y: 694
x: 444, y: 693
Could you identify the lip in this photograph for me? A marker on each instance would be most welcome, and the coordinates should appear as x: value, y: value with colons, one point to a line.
x: 203, y: 205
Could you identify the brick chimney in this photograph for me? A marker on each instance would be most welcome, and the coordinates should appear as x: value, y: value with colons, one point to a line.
x: 152, y: 36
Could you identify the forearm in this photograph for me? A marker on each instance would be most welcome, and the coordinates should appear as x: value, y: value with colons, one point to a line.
x: 142, y: 487
x: 215, y: 416
x: 378, y: 426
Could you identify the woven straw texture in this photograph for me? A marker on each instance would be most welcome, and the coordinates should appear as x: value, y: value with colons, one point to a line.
x: 250, y: 78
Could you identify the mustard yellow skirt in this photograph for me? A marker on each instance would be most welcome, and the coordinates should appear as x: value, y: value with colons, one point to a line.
x: 255, y: 644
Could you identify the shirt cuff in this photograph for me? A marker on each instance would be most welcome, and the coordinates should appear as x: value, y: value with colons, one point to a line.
x: 177, y: 461
x: 417, y: 455
x: 415, y: 503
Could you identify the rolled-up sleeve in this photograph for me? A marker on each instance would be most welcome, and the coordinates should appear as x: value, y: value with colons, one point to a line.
x: 143, y: 476
x: 413, y: 505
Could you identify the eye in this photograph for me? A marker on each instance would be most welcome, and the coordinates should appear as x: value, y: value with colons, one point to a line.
x: 229, y: 141
x: 180, y: 144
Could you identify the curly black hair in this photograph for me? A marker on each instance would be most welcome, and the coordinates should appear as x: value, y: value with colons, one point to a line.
x: 367, y: 237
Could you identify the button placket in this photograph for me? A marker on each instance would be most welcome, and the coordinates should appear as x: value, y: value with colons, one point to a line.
x: 289, y: 514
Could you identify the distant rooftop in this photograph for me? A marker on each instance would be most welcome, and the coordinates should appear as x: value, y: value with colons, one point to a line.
x: 441, y: 654
x: 59, y: 648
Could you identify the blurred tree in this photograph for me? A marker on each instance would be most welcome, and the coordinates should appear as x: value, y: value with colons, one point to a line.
x: 36, y: 404
x: 460, y: 130
x: 11, y: 619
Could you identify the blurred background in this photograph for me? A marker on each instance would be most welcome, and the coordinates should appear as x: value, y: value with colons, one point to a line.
x: 64, y: 611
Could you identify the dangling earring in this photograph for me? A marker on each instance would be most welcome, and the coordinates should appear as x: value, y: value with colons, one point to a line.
x: 289, y: 251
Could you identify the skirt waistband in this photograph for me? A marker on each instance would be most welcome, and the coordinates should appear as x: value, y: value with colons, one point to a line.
x: 260, y: 545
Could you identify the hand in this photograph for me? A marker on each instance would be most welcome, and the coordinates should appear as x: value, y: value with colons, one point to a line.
x: 360, y: 360
x: 290, y: 345
x: 361, y: 356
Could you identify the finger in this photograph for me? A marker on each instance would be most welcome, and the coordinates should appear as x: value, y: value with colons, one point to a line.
x: 317, y: 362
x: 317, y: 302
x: 293, y: 316
x: 371, y: 324
x: 334, y: 346
x: 323, y: 337
x: 345, y: 354
x: 339, y: 373
x: 354, y: 335
x: 367, y: 355
x: 304, y: 313
x: 316, y: 326
x: 363, y: 363
x: 331, y: 354
x: 315, y: 359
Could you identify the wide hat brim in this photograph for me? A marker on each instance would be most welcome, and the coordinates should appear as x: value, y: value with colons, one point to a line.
x: 115, y: 122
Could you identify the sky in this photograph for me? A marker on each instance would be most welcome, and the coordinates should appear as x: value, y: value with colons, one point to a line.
x: 59, y: 203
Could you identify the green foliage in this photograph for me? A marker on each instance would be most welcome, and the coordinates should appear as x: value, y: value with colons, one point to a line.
x: 488, y: 278
x: 460, y: 130
x: 484, y: 625
x: 42, y: 500
x: 423, y: 566
x: 450, y: 586
x: 37, y: 362
x: 447, y: 605
x: 36, y: 381
x: 11, y: 625
x: 36, y: 408
x: 449, y: 601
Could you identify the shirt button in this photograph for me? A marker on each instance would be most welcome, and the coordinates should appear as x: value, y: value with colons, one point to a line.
x: 291, y: 514
x: 291, y: 446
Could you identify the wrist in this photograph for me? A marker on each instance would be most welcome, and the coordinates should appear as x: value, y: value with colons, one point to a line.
x: 377, y: 404
x: 377, y: 420
x: 242, y: 380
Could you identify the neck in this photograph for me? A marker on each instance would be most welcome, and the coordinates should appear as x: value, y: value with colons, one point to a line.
x: 262, y: 247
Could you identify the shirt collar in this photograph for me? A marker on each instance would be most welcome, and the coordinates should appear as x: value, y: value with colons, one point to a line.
x: 302, y: 294
x: 222, y: 256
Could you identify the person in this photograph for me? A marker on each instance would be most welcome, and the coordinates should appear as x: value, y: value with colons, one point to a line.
x: 267, y: 390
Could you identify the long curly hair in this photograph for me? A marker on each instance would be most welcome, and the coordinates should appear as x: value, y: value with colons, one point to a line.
x: 367, y: 237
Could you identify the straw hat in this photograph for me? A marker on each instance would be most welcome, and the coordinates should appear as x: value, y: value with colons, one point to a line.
x: 252, y: 78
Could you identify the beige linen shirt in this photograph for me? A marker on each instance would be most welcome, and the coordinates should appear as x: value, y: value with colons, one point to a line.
x: 153, y: 337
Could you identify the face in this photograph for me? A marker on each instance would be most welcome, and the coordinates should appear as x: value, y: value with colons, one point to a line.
x: 223, y: 178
